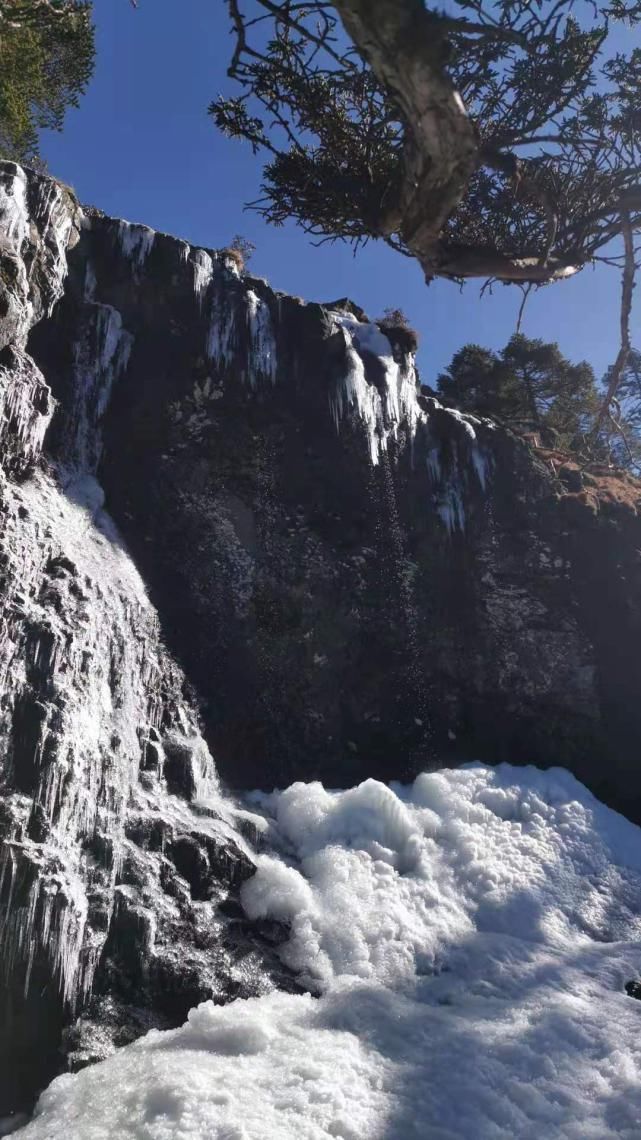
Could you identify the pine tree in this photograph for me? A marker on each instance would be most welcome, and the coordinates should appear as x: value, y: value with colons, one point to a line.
x: 529, y: 386
x: 46, y: 61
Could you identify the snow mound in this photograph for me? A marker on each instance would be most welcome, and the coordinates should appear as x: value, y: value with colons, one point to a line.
x: 470, y: 937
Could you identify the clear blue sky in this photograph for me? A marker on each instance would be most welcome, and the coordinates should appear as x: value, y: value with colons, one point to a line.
x: 142, y: 147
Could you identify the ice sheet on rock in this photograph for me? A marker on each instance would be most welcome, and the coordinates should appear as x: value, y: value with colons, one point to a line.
x: 26, y: 408
x: 14, y: 212
x: 99, y: 647
x: 53, y: 218
x: 262, y: 344
x: 241, y: 330
x: 479, y: 460
x: 222, y: 336
x: 100, y: 357
x: 471, y: 935
x: 451, y: 472
x: 203, y: 272
x: 14, y: 227
x: 383, y: 412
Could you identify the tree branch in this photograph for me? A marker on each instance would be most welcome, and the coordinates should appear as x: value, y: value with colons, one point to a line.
x: 627, y: 288
x: 405, y: 51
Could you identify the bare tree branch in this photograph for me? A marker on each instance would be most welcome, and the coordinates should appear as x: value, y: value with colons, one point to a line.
x: 627, y: 288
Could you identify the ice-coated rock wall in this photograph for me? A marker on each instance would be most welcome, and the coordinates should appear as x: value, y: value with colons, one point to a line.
x: 232, y: 525
x: 355, y: 579
x: 116, y: 847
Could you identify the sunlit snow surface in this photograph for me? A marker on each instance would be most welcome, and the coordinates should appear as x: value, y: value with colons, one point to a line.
x: 470, y: 935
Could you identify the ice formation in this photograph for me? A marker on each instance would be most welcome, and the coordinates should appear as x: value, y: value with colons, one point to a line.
x: 136, y: 242
x: 203, y: 273
x: 470, y: 937
x: 466, y: 939
x: 55, y: 220
x: 83, y: 674
x: 391, y: 406
x: 100, y: 356
x: 262, y: 355
x: 381, y: 415
x: 241, y: 330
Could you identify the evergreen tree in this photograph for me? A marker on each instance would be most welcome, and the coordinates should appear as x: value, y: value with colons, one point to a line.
x: 46, y: 61
x: 530, y: 386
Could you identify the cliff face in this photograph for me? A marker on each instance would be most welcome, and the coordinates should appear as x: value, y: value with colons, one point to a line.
x: 119, y: 861
x: 353, y: 580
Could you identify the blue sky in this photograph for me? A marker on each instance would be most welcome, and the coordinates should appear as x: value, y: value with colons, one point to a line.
x: 141, y: 146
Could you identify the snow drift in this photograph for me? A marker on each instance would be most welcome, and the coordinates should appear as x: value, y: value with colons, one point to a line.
x: 470, y: 937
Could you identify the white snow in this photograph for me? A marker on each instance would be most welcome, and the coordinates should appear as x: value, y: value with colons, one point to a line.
x: 470, y: 937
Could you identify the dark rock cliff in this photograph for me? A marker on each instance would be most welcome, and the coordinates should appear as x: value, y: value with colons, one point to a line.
x: 349, y: 580
x: 356, y: 581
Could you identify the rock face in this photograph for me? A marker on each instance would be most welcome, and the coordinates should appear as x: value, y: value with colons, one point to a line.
x: 355, y: 580
x: 120, y: 861
x: 350, y: 581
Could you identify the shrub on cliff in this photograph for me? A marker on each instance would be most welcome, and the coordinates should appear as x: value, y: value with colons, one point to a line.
x: 397, y: 328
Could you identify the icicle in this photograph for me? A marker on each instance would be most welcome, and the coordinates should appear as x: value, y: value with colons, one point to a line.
x: 262, y: 348
x: 382, y: 416
x: 96, y: 367
x: 136, y: 242
x: 26, y: 408
x: 203, y: 273
x: 222, y: 338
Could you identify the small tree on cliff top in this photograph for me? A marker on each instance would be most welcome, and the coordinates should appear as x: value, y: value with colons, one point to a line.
x: 501, y: 141
x: 46, y: 61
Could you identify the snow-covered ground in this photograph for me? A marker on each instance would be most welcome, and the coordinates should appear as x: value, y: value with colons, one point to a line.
x: 470, y: 938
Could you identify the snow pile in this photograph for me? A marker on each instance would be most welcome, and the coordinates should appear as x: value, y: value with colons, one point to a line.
x: 470, y: 936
